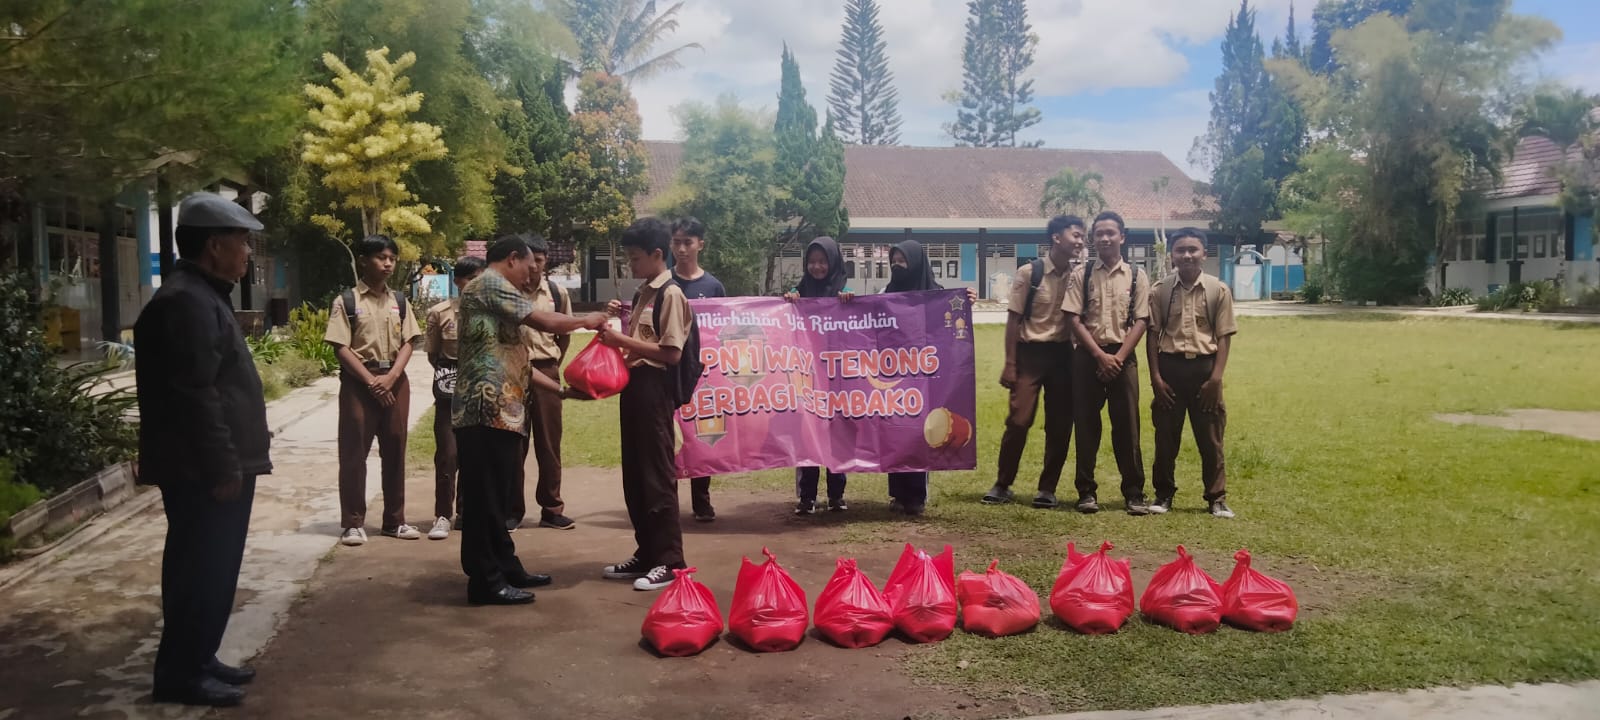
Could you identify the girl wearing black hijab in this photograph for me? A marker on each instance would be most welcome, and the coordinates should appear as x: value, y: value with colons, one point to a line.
x: 824, y: 277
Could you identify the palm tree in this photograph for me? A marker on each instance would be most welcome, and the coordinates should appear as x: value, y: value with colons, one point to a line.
x: 617, y: 36
x: 1070, y: 191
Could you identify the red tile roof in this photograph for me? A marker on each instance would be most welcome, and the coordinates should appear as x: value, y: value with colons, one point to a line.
x: 977, y: 184
x: 1529, y: 172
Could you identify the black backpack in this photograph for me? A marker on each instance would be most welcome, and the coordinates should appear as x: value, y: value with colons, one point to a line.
x: 1037, y: 268
x: 686, y: 374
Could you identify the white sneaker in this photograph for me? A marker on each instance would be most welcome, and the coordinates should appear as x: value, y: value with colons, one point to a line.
x: 404, y: 532
x: 353, y: 537
x: 659, y: 577
x: 441, y: 529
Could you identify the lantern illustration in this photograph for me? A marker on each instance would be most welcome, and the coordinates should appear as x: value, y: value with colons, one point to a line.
x: 711, y: 429
x: 750, y: 373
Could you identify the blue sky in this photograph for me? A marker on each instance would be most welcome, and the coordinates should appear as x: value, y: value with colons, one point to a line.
x: 1109, y: 74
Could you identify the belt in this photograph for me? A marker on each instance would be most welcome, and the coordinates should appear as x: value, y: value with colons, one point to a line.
x: 377, y: 365
x: 1186, y: 356
x: 549, y: 361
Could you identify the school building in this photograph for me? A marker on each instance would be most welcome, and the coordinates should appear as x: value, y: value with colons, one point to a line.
x: 975, y: 210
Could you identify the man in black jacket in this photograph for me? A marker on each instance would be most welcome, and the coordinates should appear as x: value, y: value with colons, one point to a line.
x: 203, y: 439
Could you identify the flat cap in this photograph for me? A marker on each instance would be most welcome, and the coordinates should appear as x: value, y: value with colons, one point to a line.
x: 210, y: 210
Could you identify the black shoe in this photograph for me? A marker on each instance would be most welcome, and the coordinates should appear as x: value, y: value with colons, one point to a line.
x: 1088, y: 505
x: 1137, y: 505
x: 241, y: 675
x: 705, y: 515
x: 207, y: 691
x: 895, y: 506
x: 1219, y: 509
x: 513, y: 524
x: 997, y: 495
x: 805, y: 507
x: 631, y: 569
x: 1045, y: 500
x: 1161, y: 506
x: 528, y: 580
x: 506, y: 595
x: 557, y: 521
x: 914, y: 509
x: 837, y: 505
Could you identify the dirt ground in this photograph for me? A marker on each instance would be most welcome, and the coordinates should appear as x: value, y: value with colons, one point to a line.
x: 385, y: 629
x: 1581, y: 425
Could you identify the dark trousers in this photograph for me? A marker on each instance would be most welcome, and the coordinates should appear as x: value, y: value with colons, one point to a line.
x: 444, y: 460
x: 700, y: 495
x: 806, y: 479
x: 649, y: 470
x: 491, y: 461
x: 361, y: 419
x: 1120, y: 397
x: 1045, y: 367
x: 199, y: 573
x: 544, y: 439
x: 1185, y: 376
x: 910, y: 488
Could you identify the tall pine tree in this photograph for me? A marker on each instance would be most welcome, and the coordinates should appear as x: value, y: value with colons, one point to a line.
x: 866, y: 106
x: 1233, y: 146
x: 807, y: 172
x: 992, y: 106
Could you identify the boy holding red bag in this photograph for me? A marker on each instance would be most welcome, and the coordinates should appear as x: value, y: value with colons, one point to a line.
x: 648, y: 430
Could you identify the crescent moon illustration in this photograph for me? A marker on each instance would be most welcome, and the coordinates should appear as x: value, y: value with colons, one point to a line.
x: 881, y: 385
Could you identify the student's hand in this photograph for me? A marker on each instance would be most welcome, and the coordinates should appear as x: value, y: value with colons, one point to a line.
x: 1008, y: 377
x: 972, y: 296
x: 1165, y: 397
x: 385, y: 398
x: 614, y: 308
x: 608, y: 337
x: 846, y: 296
x: 1211, y: 395
x: 228, y: 490
x: 791, y: 296
x: 571, y: 393
x: 1109, y: 367
x: 595, y: 320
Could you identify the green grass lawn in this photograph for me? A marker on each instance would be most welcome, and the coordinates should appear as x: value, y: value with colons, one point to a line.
x: 1424, y: 553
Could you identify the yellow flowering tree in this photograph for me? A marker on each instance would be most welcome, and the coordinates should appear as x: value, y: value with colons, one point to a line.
x: 364, y: 145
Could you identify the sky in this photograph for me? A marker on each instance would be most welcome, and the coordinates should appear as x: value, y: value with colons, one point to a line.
x: 1108, y: 74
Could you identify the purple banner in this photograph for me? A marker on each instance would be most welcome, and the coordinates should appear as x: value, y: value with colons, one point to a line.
x: 882, y: 383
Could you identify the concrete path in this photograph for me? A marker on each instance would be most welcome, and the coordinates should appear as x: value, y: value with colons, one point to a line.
x: 1527, y: 702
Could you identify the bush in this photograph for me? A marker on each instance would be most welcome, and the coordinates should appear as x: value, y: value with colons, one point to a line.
x: 1454, y: 297
x: 273, y: 386
x: 57, y: 426
x: 267, y: 348
x: 298, y: 372
x: 1539, y: 295
x: 1313, y: 291
x: 1589, y: 297
x: 14, y: 497
x: 307, y: 326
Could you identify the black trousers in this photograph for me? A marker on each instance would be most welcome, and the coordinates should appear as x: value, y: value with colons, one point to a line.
x: 1120, y: 397
x: 649, y: 468
x: 491, y: 467
x: 199, y: 574
x: 806, y: 480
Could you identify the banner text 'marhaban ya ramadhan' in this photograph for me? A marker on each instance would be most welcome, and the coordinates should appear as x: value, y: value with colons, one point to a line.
x: 880, y: 384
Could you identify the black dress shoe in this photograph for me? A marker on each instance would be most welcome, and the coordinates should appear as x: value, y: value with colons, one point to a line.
x: 528, y: 580
x: 241, y: 675
x: 207, y: 691
x: 504, y: 596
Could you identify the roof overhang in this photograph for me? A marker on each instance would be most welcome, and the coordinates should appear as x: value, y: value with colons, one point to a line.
x: 1503, y: 204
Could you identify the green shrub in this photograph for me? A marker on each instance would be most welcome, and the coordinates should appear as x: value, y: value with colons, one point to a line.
x: 1313, y: 291
x: 298, y: 372
x: 1589, y: 297
x: 273, y: 386
x: 1454, y: 297
x: 1539, y: 295
x: 268, y: 348
x: 307, y: 326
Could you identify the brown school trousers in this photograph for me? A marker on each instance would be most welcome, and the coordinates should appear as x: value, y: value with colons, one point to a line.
x: 361, y: 419
x: 1046, y: 367
x: 1120, y: 397
x: 444, y: 460
x: 1185, y: 376
x: 649, y: 470
x: 544, y: 439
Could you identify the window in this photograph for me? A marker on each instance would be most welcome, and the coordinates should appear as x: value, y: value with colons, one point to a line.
x: 1449, y: 252
x: 938, y: 270
x: 1468, y: 245
x: 950, y: 269
x: 883, y: 270
x: 1522, y: 247
x: 1505, y: 247
x: 1539, y: 246
x: 850, y: 268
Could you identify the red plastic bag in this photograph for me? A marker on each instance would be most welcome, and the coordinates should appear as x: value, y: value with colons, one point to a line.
x: 922, y: 594
x: 995, y: 603
x: 1183, y: 596
x: 1254, y: 601
x: 769, y: 610
x: 1093, y: 594
x: 851, y: 611
x: 684, y: 619
x: 599, y: 371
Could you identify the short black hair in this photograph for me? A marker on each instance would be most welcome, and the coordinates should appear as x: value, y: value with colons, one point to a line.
x: 536, y: 243
x: 507, y: 246
x: 1109, y: 215
x: 191, y: 240
x: 374, y: 244
x: 1060, y: 223
x: 1188, y: 232
x: 648, y: 234
x: 690, y: 226
x: 469, y: 266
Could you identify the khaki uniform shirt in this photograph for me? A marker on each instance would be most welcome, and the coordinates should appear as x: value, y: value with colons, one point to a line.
x: 1044, y: 321
x: 1182, y: 319
x: 675, y: 317
x: 444, y: 329
x: 379, y: 331
x: 1107, y: 315
x: 542, y: 345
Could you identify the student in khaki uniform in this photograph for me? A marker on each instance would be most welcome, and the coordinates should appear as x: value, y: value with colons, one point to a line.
x: 1192, y: 328
x: 1108, y: 305
x: 442, y: 346
x: 545, y: 352
x: 649, y: 471
x: 1039, y: 357
x: 373, y: 331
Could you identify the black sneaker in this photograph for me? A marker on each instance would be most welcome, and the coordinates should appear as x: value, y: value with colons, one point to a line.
x: 914, y: 509
x: 837, y: 505
x: 557, y: 521
x: 1161, y: 506
x: 805, y: 507
x: 1045, y: 500
x: 512, y: 524
x: 997, y: 495
x: 1138, y: 506
x: 1219, y: 509
x: 1087, y: 505
x: 630, y: 569
x: 659, y: 577
x: 705, y: 515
